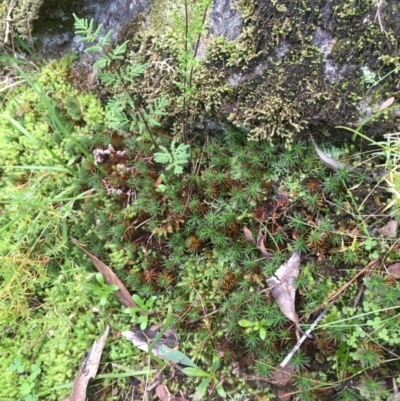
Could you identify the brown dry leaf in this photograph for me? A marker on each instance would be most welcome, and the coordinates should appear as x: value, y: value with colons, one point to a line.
x: 162, y: 393
x: 282, y: 286
x: 390, y: 230
x: 110, y: 278
x: 386, y: 104
x: 281, y: 379
x: 283, y: 376
x: 260, y: 244
x: 88, y: 368
x: 248, y: 234
x: 394, y: 269
x: 284, y: 395
x: 158, y: 181
x: 329, y: 161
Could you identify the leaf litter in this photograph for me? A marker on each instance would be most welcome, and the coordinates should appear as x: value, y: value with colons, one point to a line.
x: 282, y: 286
x: 88, y: 368
x: 110, y: 278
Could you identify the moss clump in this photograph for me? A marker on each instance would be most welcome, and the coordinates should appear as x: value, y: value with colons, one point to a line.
x: 16, y: 18
x: 292, y: 69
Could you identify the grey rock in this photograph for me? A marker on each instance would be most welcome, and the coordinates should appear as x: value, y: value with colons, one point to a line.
x: 225, y: 20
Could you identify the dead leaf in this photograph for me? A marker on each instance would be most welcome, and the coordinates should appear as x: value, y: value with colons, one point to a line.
x: 260, y: 244
x: 394, y: 269
x: 283, y: 196
x: 162, y: 393
x: 142, y: 339
x: 248, y: 234
x: 329, y: 161
x: 386, y: 104
x: 283, y: 376
x: 110, y: 278
x: 390, y: 230
x: 285, y: 395
x: 88, y: 368
x: 282, y: 286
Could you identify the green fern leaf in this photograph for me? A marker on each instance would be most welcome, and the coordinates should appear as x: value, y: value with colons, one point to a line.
x: 107, y: 39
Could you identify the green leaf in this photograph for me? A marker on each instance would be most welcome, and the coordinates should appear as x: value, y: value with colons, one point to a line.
x: 100, y: 279
x: 93, y: 49
x: 178, y: 170
x: 263, y: 333
x: 201, y: 389
x: 102, y: 62
x: 150, y: 301
x: 144, y: 321
x: 215, y: 364
x: 173, y: 355
x: 195, y: 372
x: 246, y: 323
x: 138, y: 301
x: 26, y: 388
x: 131, y: 311
x: 221, y: 391
x: 107, y: 39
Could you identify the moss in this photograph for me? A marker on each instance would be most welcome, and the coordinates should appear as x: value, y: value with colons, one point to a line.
x: 21, y: 17
x: 25, y: 106
x: 273, y: 81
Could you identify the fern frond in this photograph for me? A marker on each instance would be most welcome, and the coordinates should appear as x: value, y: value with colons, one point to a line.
x: 133, y: 71
x: 102, y: 62
x: 118, y: 52
x: 97, y: 32
x: 93, y: 49
x: 82, y: 25
x: 110, y: 79
x: 107, y: 39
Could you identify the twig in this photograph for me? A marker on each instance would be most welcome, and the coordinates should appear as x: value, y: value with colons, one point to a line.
x: 8, y: 19
x: 305, y: 335
x: 378, y: 17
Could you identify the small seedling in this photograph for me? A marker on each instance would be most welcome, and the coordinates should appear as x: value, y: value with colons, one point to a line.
x: 16, y: 366
x: 143, y: 309
x: 26, y: 382
x: 102, y: 290
x: 259, y: 326
x: 176, y: 158
x: 208, y: 377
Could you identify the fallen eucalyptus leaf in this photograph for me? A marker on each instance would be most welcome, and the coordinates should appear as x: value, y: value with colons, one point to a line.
x: 282, y: 286
x: 386, y: 104
x: 329, y: 161
x: 110, y: 278
x: 88, y: 368
x: 394, y: 270
x: 390, y: 230
x: 248, y: 234
x: 162, y: 393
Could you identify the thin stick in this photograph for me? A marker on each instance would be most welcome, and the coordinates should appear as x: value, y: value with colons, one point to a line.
x: 305, y: 335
